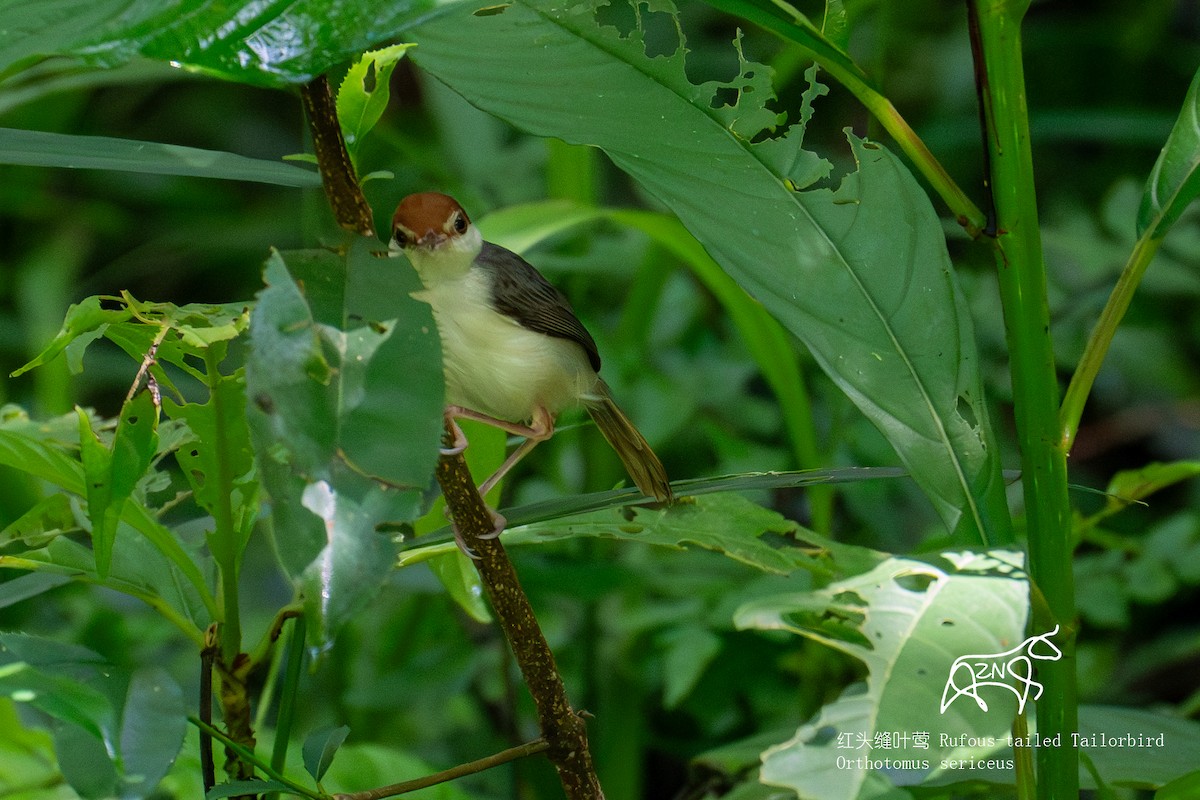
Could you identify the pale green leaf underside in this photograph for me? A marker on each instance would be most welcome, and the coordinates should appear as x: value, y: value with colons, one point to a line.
x: 861, y: 275
x: 907, y: 621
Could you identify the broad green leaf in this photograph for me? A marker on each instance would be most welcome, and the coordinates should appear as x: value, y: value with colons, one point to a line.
x: 265, y: 43
x: 218, y: 461
x: 113, y: 473
x: 907, y: 621
x: 364, y: 92
x: 85, y: 763
x: 1175, y: 180
x: 827, y: 41
x: 860, y: 273
x: 344, y: 378
x: 153, y: 723
x: 44, y: 149
x: 320, y: 747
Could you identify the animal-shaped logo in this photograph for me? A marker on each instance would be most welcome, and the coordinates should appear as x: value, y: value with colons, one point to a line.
x: 1011, y: 670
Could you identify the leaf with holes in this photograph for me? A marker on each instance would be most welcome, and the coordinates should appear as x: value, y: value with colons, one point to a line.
x: 860, y: 273
x: 907, y: 620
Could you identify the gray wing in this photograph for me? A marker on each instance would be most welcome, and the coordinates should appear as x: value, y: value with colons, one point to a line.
x: 519, y: 291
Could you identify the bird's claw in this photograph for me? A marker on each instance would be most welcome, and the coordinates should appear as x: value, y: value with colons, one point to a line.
x: 498, y: 525
x: 460, y: 440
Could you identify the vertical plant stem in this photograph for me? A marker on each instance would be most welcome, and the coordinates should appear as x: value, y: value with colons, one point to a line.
x: 996, y: 41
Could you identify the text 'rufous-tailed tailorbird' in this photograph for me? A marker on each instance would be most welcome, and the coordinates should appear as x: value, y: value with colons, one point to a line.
x: 514, y: 352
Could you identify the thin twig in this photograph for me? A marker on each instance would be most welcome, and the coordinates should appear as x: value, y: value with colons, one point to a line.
x: 470, y: 768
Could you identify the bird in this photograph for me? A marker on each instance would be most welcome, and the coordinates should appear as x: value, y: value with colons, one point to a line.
x: 514, y: 353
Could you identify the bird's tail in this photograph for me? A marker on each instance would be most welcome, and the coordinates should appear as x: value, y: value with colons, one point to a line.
x: 639, y: 460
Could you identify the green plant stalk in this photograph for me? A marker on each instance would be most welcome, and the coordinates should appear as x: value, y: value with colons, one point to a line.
x: 1102, y: 336
x: 996, y: 40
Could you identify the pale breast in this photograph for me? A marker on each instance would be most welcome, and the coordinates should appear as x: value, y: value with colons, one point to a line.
x: 495, y: 366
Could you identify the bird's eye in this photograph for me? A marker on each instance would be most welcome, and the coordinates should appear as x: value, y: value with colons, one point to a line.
x: 400, y: 237
x: 460, y: 223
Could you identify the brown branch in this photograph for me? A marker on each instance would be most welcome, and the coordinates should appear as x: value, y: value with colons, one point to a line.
x: 470, y: 768
x: 350, y: 207
x: 563, y: 729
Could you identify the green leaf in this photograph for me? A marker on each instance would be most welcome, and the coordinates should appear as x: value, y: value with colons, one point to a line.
x: 363, y: 95
x: 112, y: 474
x: 218, y: 461
x: 141, y: 567
x: 24, y: 587
x: 860, y: 274
x: 724, y: 523
x: 43, y: 149
x: 320, y: 747
x: 907, y: 621
x: 85, y: 319
x: 85, y: 763
x: 1175, y: 180
x: 1158, y: 747
x: 268, y: 44
x: 60, y: 680
x: 48, y: 518
x: 345, y: 382
x: 1132, y: 486
x: 153, y: 723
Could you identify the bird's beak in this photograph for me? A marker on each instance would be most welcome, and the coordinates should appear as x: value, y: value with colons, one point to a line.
x: 431, y: 239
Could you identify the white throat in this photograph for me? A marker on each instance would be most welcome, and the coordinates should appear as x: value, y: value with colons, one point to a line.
x: 450, y: 261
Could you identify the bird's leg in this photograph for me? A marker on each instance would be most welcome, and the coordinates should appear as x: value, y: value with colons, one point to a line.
x: 540, y: 429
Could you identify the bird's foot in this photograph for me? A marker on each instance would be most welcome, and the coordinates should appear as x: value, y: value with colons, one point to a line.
x: 498, y: 525
x: 460, y: 439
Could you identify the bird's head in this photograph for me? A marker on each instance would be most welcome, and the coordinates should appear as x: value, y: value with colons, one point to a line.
x: 432, y: 222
